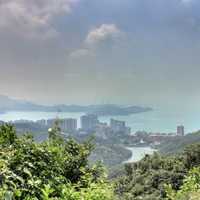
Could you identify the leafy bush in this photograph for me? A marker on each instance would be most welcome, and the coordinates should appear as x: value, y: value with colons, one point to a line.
x: 146, y: 179
x: 190, y: 190
x: 55, y: 169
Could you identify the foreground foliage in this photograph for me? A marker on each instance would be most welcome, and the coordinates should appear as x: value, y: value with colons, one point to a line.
x: 190, y: 190
x: 55, y: 169
x: 148, y: 178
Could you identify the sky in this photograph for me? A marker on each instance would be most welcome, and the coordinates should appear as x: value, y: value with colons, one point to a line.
x: 136, y: 52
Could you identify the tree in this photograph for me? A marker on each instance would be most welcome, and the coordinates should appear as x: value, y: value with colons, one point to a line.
x: 7, y: 135
x: 190, y: 190
x: 51, y: 170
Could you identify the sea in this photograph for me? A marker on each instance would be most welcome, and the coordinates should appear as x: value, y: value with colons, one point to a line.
x: 138, y: 153
x: 163, y: 121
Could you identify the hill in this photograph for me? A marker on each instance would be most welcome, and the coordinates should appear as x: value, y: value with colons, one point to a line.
x: 9, y: 104
x: 177, y: 144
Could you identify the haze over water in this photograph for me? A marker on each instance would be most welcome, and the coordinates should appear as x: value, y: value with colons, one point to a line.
x: 153, y: 121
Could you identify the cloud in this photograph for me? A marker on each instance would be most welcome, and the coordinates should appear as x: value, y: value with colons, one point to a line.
x: 103, y: 33
x: 81, y: 53
x: 30, y: 17
x: 107, y: 34
x: 96, y: 41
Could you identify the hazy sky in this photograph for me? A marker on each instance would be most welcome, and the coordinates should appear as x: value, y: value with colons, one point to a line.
x: 144, y: 52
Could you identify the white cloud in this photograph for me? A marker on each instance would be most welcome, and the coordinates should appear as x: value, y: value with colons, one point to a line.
x: 32, y: 16
x: 108, y: 34
x: 103, y: 33
x: 80, y: 53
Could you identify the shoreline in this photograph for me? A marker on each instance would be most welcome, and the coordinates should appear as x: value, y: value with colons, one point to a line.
x: 138, y: 153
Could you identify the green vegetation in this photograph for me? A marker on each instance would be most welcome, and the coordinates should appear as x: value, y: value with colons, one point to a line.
x: 148, y: 178
x: 177, y: 144
x: 58, y: 169
x: 110, y: 155
x: 55, y: 169
x: 190, y: 188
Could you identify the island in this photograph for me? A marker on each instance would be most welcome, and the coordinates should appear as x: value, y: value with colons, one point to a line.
x: 10, y: 104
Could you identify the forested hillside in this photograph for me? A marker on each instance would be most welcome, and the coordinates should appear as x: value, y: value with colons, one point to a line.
x: 177, y: 144
x: 151, y: 178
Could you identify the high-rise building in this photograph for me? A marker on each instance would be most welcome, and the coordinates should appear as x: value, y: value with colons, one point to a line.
x: 102, y: 130
x: 128, y: 131
x: 89, y: 122
x: 119, y: 127
x: 50, y: 122
x: 180, y: 131
x: 69, y: 125
x: 42, y: 122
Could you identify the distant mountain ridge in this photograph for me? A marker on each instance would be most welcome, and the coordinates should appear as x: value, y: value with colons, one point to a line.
x: 9, y: 104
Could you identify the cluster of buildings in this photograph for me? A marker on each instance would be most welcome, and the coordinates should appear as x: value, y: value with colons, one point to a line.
x: 89, y: 124
x: 157, y: 138
x: 180, y: 132
x: 69, y: 125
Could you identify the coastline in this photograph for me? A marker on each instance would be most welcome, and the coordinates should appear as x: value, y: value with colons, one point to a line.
x: 138, y: 153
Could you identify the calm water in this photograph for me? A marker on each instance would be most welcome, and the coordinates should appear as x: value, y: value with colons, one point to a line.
x: 155, y: 121
x: 138, y: 153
